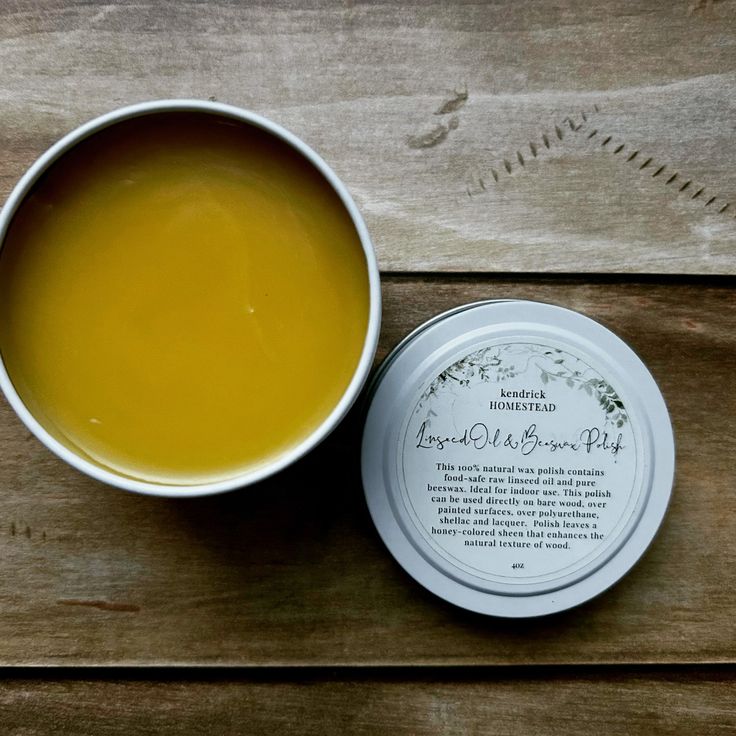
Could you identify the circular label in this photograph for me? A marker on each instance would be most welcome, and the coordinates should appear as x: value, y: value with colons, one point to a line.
x: 519, y: 463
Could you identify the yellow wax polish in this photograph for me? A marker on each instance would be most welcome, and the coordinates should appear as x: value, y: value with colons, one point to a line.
x: 183, y: 298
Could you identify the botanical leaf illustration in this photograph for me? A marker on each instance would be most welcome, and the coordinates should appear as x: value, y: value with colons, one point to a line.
x: 499, y: 363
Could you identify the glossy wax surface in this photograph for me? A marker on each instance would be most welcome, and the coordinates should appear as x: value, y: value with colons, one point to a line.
x: 183, y: 298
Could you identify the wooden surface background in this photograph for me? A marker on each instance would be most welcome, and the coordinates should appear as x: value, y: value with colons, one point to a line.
x: 580, y: 153
x: 421, y: 106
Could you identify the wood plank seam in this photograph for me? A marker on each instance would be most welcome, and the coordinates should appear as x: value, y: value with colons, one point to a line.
x: 361, y: 672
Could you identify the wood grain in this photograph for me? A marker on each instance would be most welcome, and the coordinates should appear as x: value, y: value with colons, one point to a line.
x: 552, y: 704
x: 474, y: 136
x: 291, y: 571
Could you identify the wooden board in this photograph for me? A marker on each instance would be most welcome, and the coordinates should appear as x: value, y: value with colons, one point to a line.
x: 548, y: 704
x: 291, y: 572
x: 474, y: 136
x: 508, y: 137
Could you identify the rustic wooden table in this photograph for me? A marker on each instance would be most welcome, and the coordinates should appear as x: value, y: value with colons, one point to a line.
x: 581, y: 153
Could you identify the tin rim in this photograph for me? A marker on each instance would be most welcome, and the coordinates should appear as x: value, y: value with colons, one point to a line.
x: 383, y: 497
x: 71, y: 139
x: 407, y: 339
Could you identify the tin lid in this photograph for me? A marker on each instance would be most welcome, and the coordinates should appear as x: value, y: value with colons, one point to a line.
x: 517, y: 457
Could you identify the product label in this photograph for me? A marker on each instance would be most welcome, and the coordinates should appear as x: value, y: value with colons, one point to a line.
x: 519, y: 463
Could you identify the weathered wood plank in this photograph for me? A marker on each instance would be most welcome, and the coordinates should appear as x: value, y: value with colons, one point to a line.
x: 552, y: 705
x: 463, y: 129
x: 292, y: 571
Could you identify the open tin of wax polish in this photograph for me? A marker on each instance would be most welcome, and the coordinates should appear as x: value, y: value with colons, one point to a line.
x: 517, y: 458
x: 189, y: 298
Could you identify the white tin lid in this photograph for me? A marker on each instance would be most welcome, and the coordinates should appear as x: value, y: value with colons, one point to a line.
x: 517, y: 458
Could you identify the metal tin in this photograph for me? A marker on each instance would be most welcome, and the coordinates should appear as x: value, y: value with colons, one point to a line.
x: 338, y: 412
x: 517, y: 458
